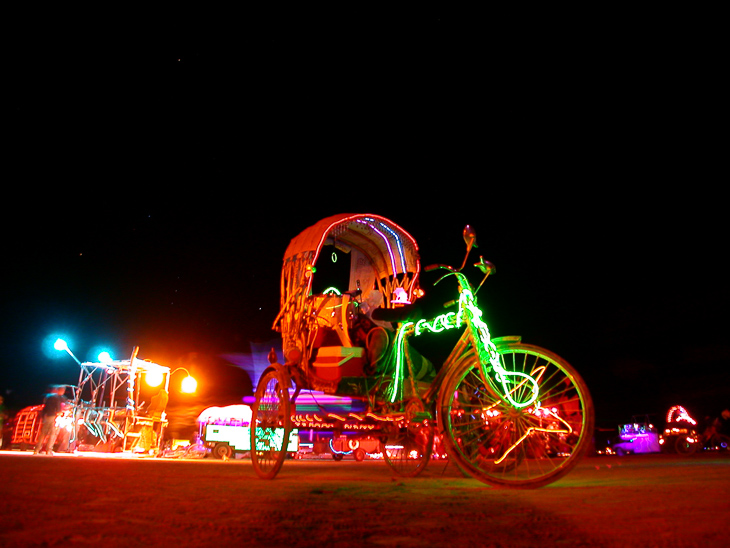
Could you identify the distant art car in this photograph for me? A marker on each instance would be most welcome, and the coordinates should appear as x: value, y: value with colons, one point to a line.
x: 637, y: 438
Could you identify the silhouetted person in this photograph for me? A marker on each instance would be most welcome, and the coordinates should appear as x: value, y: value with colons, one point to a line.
x: 722, y: 424
x: 52, y: 408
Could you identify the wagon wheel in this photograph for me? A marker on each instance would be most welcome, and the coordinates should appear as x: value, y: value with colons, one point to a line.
x: 683, y: 446
x: 222, y: 451
x: 270, y: 423
x: 408, y: 445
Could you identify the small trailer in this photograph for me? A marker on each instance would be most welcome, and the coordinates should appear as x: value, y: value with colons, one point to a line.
x: 225, y: 431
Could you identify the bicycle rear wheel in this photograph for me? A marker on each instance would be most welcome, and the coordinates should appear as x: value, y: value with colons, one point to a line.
x: 507, y: 446
x: 270, y: 423
x: 407, y: 447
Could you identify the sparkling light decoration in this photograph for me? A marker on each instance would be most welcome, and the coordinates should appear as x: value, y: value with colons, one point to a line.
x: 679, y: 414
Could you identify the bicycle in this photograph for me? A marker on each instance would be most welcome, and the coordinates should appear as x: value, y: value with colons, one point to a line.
x: 510, y: 414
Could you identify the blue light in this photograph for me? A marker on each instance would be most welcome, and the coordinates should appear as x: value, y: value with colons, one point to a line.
x: 101, y: 354
x: 56, y: 346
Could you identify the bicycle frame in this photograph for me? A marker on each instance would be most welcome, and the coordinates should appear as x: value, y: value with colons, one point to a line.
x: 477, y: 336
x: 510, y: 414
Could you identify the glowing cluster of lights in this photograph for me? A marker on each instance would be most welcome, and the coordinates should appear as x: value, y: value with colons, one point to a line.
x: 65, y: 421
x: 351, y: 421
x: 237, y: 415
x: 635, y: 430
x: 130, y: 385
x: 679, y: 414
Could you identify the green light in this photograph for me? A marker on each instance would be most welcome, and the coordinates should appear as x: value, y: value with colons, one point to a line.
x: 400, y: 349
x: 438, y: 324
x: 486, y: 349
x: 487, y: 352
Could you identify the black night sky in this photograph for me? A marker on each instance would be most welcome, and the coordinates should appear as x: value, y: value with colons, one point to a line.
x: 156, y: 182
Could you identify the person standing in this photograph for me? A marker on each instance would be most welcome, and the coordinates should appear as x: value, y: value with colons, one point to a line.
x: 52, y: 408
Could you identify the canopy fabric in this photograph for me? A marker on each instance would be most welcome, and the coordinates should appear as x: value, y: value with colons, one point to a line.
x: 391, y: 249
x: 384, y: 264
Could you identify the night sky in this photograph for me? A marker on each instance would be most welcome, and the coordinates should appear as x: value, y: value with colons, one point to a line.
x: 157, y: 182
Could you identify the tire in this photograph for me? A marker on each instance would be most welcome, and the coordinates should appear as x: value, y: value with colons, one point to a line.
x: 407, y: 447
x: 683, y: 446
x: 520, y: 447
x: 222, y: 451
x: 270, y: 422
x: 359, y: 454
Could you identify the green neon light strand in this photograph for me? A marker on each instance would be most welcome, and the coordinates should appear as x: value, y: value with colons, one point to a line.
x: 398, y: 373
x: 487, y: 352
x: 438, y: 324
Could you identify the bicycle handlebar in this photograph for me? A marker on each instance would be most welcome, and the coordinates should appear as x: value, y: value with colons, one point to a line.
x: 432, y: 267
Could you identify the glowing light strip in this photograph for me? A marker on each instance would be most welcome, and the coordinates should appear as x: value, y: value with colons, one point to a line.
x: 438, y: 324
x: 488, y: 351
x: 399, y: 346
x: 346, y: 220
x: 130, y: 385
x: 532, y: 429
x: 339, y: 452
x: 368, y: 222
x: 399, y: 245
x: 356, y: 416
x: 383, y: 418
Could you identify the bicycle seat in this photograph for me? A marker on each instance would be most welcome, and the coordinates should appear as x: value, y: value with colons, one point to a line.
x: 406, y: 313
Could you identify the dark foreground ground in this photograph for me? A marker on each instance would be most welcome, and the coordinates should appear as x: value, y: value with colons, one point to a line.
x: 641, y: 500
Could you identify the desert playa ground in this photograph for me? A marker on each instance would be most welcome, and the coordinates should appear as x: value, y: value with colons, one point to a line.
x: 101, y: 500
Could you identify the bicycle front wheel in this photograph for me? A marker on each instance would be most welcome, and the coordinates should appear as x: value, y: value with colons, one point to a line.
x: 270, y: 423
x: 508, y: 446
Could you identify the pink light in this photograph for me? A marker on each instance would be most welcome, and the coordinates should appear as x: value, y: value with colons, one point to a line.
x: 679, y: 414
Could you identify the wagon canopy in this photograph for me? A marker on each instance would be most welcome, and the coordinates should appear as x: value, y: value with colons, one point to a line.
x: 383, y: 258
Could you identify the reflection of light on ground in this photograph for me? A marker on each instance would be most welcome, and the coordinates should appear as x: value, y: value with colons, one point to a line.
x: 81, y: 454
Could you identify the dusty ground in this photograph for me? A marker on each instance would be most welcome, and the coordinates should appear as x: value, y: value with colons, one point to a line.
x: 641, y: 500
